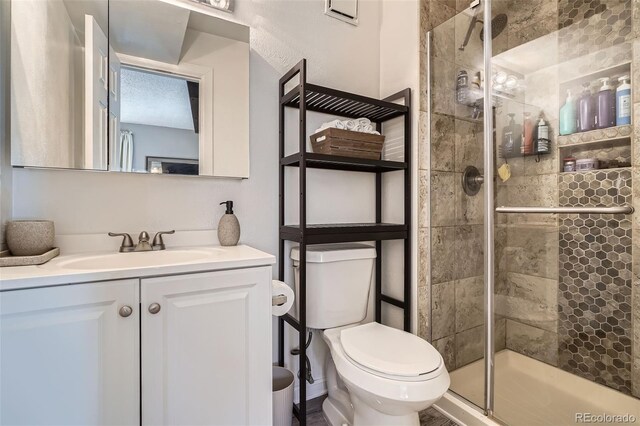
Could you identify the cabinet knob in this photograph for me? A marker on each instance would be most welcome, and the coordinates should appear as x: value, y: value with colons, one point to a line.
x: 125, y: 311
x: 154, y: 308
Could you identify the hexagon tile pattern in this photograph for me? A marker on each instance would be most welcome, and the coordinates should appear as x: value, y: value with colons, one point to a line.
x: 594, y: 292
x: 590, y: 25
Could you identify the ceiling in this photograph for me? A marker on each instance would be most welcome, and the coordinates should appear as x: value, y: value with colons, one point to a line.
x: 154, y: 99
x: 151, y: 29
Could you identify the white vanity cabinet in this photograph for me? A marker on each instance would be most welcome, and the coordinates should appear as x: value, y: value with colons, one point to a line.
x: 206, y: 353
x: 193, y: 349
x: 69, y: 356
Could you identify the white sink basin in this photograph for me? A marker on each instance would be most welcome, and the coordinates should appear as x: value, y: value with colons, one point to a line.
x: 136, y: 259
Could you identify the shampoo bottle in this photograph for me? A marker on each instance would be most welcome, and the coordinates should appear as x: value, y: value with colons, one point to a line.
x: 605, y: 116
x: 586, y: 113
x: 229, y: 227
x: 527, y: 139
x: 542, y: 137
x: 511, y: 137
x: 623, y: 101
x: 568, y: 123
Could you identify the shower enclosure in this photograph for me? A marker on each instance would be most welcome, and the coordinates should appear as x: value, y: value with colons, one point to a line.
x: 530, y: 252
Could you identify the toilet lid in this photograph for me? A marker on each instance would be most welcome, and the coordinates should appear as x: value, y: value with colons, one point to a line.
x: 389, y: 351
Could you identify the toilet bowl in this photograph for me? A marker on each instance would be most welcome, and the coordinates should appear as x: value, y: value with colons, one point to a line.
x: 376, y: 375
x: 391, y: 375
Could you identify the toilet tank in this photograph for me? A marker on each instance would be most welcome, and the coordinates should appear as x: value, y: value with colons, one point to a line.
x: 338, y: 282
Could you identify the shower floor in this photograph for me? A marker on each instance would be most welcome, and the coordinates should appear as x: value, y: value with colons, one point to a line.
x: 531, y: 393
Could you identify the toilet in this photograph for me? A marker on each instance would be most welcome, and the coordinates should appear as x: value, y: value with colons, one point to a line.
x: 376, y: 375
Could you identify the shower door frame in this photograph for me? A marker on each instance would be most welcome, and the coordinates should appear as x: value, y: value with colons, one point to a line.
x: 489, y: 222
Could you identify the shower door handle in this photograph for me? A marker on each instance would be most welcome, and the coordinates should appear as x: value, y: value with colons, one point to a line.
x: 567, y: 210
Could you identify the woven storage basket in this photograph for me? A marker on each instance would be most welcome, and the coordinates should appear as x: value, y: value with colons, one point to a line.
x: 347, y: 143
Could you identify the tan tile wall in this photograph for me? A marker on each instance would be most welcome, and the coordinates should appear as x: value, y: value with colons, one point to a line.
x: 450, y: 294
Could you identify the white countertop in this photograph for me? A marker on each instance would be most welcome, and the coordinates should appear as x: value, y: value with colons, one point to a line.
x: 55, y: 272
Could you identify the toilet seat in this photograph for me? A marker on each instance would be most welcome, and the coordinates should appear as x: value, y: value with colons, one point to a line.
x: 389, y: 352
x: 379, y: 385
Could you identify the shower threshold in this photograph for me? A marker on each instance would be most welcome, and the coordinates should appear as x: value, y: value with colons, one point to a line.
x: 530, y: 393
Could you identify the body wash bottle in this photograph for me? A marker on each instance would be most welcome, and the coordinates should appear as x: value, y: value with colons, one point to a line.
x: 605, y: 116
x: 568, y: 124
x: 586, y: 113
x: 623, y: 101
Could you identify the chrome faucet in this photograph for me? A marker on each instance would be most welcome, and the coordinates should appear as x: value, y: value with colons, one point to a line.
x: 143, y: 241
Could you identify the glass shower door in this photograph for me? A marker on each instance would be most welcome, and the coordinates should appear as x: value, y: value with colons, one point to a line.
x: 564, y: 280
x: 455, y: 60
x: 555, y: 292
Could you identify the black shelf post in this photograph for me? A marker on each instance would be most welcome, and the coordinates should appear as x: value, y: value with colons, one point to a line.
x: 310, y: 97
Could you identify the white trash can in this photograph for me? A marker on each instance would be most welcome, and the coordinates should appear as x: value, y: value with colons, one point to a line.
x: 282, y: 396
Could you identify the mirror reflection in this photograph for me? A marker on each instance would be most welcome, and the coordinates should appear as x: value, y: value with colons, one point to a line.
x: 54, y: 45
x: 158, y: 123
x: 162, y: 89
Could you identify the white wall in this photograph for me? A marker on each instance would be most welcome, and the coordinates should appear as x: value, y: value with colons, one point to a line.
x: 156, y: 141
x: 399, y: 69
x: 45, y: 48
x: 230, y: 62
x: 282, y: 33
x: 6, y: 181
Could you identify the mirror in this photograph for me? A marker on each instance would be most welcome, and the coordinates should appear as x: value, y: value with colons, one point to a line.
x: 163, y: 89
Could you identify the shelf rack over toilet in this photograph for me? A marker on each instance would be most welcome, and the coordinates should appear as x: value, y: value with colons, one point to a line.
x: 310, y: 97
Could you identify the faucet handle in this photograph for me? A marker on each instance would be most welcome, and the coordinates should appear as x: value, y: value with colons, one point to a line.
x: 127, y: 242
x: 158, y: 242
x: 143, y: 237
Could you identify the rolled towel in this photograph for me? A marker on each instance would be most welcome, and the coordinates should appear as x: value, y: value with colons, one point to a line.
x: 350, y: 124
x: 367, y: 128
x: 363, y: 121
x: 337, y: 124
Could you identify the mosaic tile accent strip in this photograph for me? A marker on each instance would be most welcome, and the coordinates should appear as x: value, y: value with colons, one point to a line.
x: 594, y: 292
x: 589, y: 25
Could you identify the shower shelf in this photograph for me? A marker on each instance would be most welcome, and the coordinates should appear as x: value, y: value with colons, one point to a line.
x: 611, y: 169
x: 519, y: 155
x: 610, y: 134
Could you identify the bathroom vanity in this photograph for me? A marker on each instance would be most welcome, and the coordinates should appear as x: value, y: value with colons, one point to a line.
x: 180, y: 336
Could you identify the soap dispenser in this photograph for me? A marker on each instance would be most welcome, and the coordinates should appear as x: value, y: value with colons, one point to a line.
x: 229, y: 227
x: 511, y: 137
x: 568, y: 123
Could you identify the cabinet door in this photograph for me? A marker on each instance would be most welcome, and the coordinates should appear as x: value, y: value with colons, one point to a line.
x: 67, y: 356
x: 206, y: 355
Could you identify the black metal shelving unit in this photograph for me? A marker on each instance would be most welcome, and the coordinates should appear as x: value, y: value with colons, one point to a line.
x: 310, y: 97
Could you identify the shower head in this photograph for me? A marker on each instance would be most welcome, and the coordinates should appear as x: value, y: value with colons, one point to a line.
x: 498, y: 24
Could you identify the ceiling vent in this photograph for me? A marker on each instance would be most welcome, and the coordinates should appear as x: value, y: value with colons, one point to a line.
x: 344, y: 10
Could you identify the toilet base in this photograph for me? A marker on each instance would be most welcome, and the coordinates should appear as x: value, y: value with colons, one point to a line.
x: 365, y: 415
x: 333, y: 415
